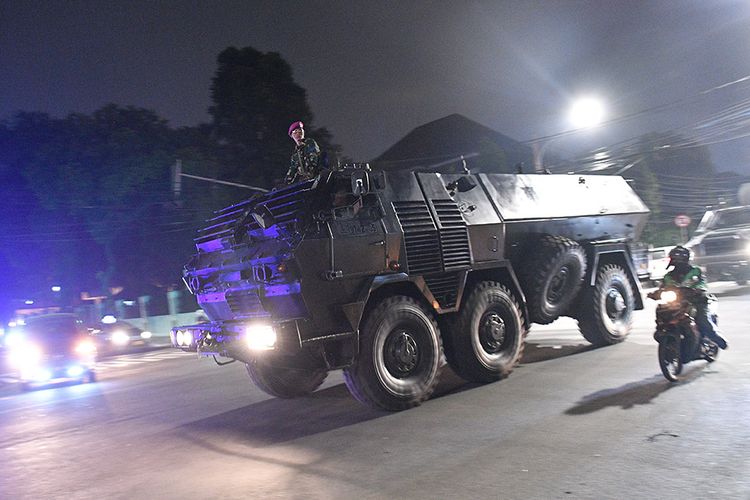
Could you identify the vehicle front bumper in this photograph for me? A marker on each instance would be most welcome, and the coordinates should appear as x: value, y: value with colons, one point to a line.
x: 235, y: 339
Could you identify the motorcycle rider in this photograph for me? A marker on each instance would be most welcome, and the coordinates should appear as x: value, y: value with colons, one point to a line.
x: 686, y: 275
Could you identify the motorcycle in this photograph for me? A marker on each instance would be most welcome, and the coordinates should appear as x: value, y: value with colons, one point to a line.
x: 679, y: 338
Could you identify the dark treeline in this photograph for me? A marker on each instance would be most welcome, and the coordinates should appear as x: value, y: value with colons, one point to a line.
x: 90, y: 200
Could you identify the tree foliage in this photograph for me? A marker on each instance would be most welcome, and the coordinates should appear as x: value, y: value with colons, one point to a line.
x: 670, y: 173
x: 97, y: 190
x: 255, y: 98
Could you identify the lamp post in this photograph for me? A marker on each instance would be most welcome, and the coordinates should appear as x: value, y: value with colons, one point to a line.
x: 585, y: 112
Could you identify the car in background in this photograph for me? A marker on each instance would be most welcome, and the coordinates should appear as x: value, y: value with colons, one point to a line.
x: 658, y: 260
x: 118, y: 336
x: 51, y: 348
x: 721, y: 244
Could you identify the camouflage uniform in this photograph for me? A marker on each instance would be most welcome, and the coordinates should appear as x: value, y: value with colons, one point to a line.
x: 305, y: 162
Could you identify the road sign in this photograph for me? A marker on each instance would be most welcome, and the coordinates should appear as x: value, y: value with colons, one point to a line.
x: 682, y: 221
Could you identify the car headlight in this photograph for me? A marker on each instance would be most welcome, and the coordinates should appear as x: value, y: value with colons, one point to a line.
x: 119, y: 337
x: 146, y: 334
x: 13, y: 339
x: 260, y: 337
x: 25, y: 356
x: 747, y: 248
x: 85, y: 348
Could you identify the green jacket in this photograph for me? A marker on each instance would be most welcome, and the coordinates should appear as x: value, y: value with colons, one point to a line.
x: 691, y: 279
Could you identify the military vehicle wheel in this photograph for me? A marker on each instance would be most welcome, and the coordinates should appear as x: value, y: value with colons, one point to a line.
x: 554, y: 278
x: 606, y: 313
x: 286, y: 377
x: 399, y: 358
x: 486, y: 338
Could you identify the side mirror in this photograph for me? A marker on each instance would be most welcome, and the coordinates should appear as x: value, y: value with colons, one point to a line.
x: 360, y: 183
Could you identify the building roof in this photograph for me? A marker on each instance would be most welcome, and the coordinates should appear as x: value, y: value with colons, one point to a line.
x: 438, y: 146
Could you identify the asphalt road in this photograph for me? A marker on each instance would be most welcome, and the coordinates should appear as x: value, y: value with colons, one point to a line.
x: 570, y: 422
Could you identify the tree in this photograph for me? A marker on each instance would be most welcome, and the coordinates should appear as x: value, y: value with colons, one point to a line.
x: 255, y: 98
x: 97, y: 182
x: 673, y: 175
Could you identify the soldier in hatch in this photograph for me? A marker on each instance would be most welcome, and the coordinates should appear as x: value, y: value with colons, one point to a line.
x: 306, y: 161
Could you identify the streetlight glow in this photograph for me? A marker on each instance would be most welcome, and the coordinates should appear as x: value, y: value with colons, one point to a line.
x: 586, y: 112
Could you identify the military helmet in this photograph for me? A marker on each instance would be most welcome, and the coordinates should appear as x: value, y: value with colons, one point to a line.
x: 679, y: 255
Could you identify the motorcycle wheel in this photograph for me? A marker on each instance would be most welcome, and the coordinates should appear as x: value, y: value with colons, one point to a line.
x: 670, y: 360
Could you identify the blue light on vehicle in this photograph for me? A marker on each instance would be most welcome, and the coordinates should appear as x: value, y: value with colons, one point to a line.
x: 74, y: 371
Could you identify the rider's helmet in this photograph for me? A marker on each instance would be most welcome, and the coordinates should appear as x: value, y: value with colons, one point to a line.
x: 679, y: 255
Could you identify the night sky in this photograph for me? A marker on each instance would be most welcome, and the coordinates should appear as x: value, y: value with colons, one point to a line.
x: 375, y: 70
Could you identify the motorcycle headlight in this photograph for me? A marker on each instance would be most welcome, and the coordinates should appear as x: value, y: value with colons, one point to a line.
x: 667, y: 297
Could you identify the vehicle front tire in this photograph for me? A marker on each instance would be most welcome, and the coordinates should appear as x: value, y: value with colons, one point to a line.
x: 400, y: 354
x: 286, y: 377
x: 554, y: 278
x: 670, y: 359
x: 486, y: 338
x: 605, y: 315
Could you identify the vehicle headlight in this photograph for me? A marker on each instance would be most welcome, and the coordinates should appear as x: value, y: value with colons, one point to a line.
x: 25, y: 356
x: 667, y: 297
x: 85, y: 348
x: 747, y: 248
x: 146, y: 334
x: 119, y: 337
x: 13, y: 339
x: 260, y: 337
x: 183, y: 338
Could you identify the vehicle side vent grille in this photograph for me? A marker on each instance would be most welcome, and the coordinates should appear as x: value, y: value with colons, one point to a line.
x: 454, y: 237
x: 444, y: 287
x: 245, y: 304
x: 420, y: 236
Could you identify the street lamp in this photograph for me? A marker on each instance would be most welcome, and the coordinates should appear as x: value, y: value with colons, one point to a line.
x: 585, y: 112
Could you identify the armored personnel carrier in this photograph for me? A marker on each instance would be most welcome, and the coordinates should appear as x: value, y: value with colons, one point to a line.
x: 381, y: 273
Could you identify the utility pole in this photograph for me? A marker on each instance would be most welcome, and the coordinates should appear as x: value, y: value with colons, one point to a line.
x: 177, y: 179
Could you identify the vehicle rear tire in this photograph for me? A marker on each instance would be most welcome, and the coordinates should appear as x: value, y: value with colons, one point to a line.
x: 605, y: 315
x: 554, y: 278
x: 670, y: 359
x: 400, y: 355
x: 286, y: 377
x: 486, y: 338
